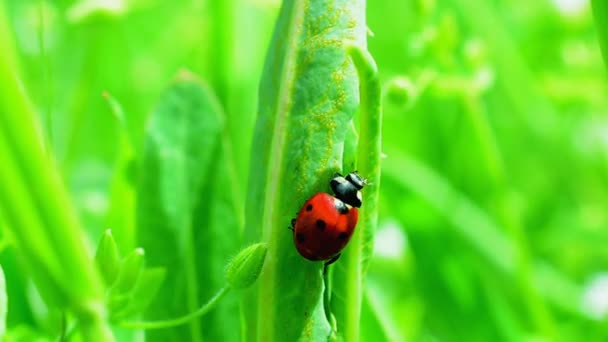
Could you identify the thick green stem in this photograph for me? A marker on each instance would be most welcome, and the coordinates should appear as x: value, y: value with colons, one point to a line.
x: 368, y: 165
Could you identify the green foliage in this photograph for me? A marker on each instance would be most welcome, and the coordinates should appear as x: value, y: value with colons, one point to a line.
x: 600, y: 13
x: 480, y: 125
x: 307, y: 99
x: 37, y: 208
x: 130, y: 286
x: 187, y: 219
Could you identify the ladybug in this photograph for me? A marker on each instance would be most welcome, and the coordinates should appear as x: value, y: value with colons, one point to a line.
x: 326, y: 223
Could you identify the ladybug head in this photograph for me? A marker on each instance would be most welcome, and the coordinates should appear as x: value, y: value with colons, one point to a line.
x: 356, y: 180
x: 347, y: 188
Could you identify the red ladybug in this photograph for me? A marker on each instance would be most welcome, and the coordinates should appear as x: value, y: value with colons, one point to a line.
x: 326, y: 223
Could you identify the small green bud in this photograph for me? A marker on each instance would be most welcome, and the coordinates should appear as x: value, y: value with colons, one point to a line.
x: 107, y: 258
x: 130, y: 270
x: 401, y: 91
x: 244, y: 269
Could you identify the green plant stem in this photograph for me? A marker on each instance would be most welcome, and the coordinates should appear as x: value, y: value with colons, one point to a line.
x: 181, y: 320
x: 96, y: 330
x: 368, y: 158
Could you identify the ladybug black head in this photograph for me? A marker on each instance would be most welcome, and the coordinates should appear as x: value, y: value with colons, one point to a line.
x: 347, y: 188
x: 356, y: 180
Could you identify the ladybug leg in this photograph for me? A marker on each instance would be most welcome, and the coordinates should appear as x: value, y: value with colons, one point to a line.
x: 331, y: 261
x: 293, y: 225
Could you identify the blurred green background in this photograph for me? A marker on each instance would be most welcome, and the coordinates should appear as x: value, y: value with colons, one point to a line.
x: 493, y: 220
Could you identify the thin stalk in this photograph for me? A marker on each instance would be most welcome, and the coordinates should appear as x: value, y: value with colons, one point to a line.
x: 181, y: 320
x: 192, y: 293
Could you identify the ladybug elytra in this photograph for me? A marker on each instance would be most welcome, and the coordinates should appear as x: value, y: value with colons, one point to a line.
x: 326, y: 223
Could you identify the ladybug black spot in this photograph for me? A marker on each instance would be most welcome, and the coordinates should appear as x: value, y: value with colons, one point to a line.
x: 309, y: 207
x: 321, y: 225
x: 300, y: 237
x: 293, y: 223
x: 343, y: 236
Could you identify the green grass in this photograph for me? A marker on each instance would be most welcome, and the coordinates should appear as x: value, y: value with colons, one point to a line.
x: 153, y: 154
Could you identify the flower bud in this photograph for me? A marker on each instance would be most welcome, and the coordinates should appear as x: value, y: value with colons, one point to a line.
x: 244, y: 269
x: 107, y: 258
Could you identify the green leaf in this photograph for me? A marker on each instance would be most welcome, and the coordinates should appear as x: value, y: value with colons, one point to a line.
x: 130, y: 270
x: 188, y: 218
x: 308, y: 95
x: 107, y: 258
x: 121, y: 214
x: 143, y: 293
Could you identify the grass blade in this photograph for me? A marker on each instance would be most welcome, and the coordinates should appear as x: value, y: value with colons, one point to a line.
x: 600, y: 14
x: 36, y: 206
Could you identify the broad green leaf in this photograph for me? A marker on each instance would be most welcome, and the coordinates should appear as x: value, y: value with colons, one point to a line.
x: 308, y: 95
x: 188, y: 221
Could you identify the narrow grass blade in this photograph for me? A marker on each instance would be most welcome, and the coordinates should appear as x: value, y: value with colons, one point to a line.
x: 600, y: 14
x: 480, y: 229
